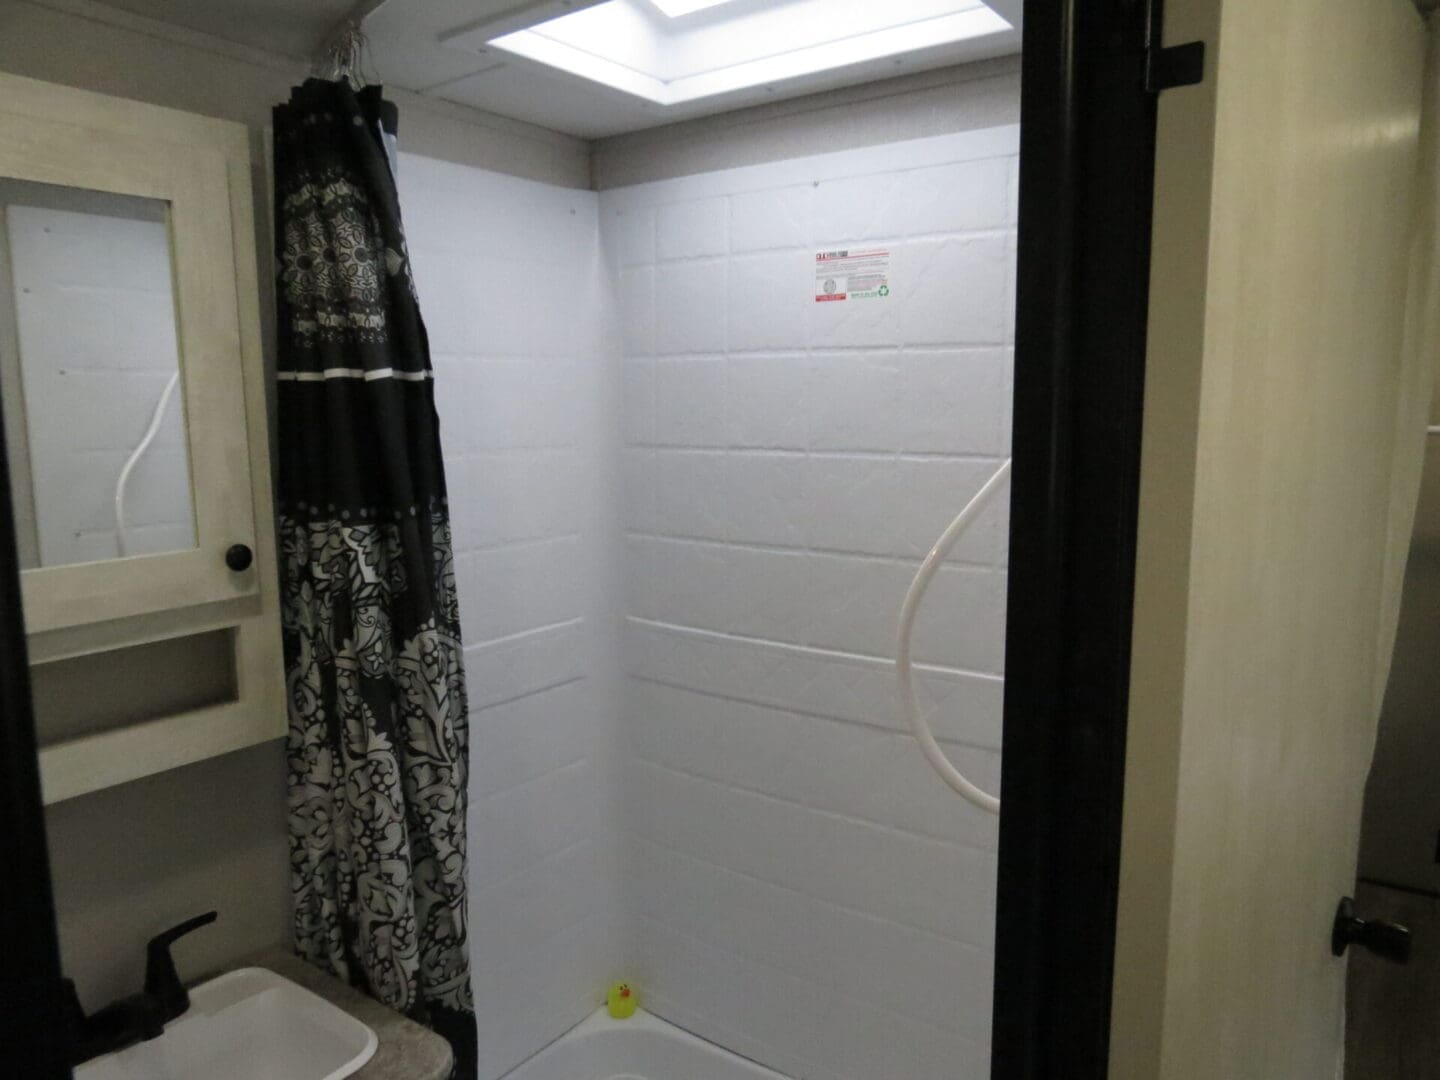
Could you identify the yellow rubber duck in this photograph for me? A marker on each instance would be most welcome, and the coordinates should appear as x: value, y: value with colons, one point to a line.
x: 622, y: 1001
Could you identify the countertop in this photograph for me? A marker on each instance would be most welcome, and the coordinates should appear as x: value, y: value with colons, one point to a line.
x: 407, y: 1051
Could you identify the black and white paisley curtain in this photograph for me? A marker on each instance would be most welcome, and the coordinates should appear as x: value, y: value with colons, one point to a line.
x: 377, y: 746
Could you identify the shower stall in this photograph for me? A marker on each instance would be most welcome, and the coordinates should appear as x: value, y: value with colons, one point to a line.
x: 690, y: 486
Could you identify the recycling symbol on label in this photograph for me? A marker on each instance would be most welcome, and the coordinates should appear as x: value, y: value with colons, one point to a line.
x: 884, y: 290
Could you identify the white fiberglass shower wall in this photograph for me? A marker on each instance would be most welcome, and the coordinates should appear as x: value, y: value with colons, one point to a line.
x: 687, y: 499
x: 511, y: 287
x: 801, y: 888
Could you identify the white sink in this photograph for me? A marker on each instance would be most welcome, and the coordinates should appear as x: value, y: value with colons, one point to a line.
x: 249, y: 1024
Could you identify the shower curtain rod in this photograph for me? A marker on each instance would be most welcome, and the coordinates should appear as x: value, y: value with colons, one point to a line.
x: 342, y: 51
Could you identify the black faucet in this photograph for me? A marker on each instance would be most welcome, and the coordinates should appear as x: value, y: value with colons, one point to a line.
x: 140, y: 1016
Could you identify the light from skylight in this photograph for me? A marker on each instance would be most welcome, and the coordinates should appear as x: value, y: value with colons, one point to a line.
x: 618, y: 45
x: 676, y: 8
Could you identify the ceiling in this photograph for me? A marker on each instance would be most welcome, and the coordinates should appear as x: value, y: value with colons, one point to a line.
x: 437, y: 48
x: 291, y: 27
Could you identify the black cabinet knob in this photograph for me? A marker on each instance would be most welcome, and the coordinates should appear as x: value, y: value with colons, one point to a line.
x: 238, y: 557
x: 1387, y: 940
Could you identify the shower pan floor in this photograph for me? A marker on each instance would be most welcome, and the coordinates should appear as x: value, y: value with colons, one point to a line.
x: 643, y: 1047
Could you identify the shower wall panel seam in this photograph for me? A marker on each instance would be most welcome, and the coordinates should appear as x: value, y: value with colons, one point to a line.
x: 810, y: 714
x: 978, y: 948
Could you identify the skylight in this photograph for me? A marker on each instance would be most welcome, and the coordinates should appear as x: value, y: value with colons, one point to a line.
x: 645, y: 47
x: 676, y: 8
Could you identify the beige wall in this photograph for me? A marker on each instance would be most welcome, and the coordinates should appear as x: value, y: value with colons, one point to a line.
x: 1402, y: 797
x: 132, y: 860
x: 1276, y: 492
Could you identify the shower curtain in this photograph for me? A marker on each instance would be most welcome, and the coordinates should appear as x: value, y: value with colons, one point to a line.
x: 377, y: 745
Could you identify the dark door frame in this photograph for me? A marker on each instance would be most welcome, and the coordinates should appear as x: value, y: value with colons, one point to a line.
x: 1090, y: 74
x: 32, y: 998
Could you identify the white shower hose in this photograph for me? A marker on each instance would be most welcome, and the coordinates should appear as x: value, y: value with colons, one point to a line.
x: 918, y: 724
x: 135, y: 455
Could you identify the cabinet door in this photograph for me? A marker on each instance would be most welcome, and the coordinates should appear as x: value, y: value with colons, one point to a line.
x: 123, y: 382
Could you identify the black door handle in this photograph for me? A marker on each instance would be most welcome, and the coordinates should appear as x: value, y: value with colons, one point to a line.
x: 1387, y: 940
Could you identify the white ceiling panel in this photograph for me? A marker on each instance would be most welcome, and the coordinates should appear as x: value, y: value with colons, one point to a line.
x: 538, y: 94
x: 439, y: 48
x: 633, y: 46
x: 674, y: 50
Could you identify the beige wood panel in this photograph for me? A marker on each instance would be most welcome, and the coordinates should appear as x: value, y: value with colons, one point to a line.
x: 84, y: 141
x: 1276, y: 482
x: 203, y: 169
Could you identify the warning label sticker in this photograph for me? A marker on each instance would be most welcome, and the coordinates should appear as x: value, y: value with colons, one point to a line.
x: 852, y: 275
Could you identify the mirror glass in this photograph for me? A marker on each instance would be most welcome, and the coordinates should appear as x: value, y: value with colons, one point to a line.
x: 90, y: 376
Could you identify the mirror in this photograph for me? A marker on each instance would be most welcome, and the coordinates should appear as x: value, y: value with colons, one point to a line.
x: 90, y: 376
